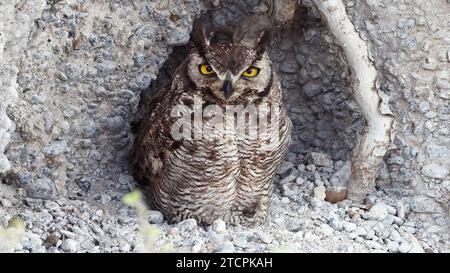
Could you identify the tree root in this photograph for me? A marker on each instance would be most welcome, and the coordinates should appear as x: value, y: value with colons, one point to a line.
x: 373, y: 145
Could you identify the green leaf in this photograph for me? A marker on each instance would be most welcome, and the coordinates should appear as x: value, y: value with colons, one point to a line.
x: 17, y: 223
x: 132, y: 198
x: 151, y: 232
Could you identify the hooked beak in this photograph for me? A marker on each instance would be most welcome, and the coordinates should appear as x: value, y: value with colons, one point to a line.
x: 227, y: 88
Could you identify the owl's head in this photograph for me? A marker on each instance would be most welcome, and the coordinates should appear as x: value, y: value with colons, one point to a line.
x: 225, y: 67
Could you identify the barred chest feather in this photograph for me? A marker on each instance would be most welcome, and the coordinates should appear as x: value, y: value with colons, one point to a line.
x: 225, y: 174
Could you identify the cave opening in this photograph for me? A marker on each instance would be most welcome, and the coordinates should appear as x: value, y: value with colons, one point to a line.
x: 316, y: 89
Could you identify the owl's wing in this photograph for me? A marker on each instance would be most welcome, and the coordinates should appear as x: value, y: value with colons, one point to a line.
x: 153, y: 142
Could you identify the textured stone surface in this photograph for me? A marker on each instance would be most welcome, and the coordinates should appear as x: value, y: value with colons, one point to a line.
x: 320, y: 159
x: 76, y: 70
x: 409, y: 44
x: 435, y: 170
x: 17, y: 19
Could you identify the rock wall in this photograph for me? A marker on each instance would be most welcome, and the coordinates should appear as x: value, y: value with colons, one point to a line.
x: 410, y: 46
x: 17, y: 19
x: 77, y: 69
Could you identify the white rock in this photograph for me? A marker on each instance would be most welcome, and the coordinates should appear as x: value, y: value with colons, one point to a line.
x: 320, y: 159
x: 188, y: 224
x: 300, y: 180
x: 342, y: 175
x: 373, y: 244
x: 415, y: 246
x: 216, y: 239
x: 424, y: 204
x: 309, y: 236
x: 6, y: 203
x: 197, y: 247
x: 395, y: 236
x: 125, y: 179
x: 336, y: 224
x: 392, y: 246
x: 397, y: 220
x: 391, y: 210
x: 99, y: 213
x: 401, y: 211
x: 125, y: 247
x: 219, y: 226
x: 434, y: 229
x: 69, y: 245
x: 326, y: 230
x: 316, y: 202
x: 240, y: 240
x: 227, y: 247
x: 349, y: 227
x: 33, y: 242
x: 51, y: 205
x: 279, y: 221
x: 55, y: 148
x: 404, y: 247
x: 377, y: 212
x: 370, y: 234
x: 299, y: 235
x: 285, y: 167
x: 435, y: 170
x: 4, y: 163
x: 319, y: 192
x: 265, y: 238
x: 155, y: 217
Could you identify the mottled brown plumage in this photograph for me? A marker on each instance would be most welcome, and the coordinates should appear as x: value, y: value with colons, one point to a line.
x: 223, y: 175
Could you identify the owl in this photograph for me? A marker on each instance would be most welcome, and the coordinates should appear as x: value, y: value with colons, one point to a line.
x: 214, y: 162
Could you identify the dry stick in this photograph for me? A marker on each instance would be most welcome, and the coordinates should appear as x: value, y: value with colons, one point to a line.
x: 373, y: 145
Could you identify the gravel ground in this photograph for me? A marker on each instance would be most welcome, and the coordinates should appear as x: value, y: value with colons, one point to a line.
x: 301, y: 221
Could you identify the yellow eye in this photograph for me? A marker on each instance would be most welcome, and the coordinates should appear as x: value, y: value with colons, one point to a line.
x: 206, y: 69
x: 251, y: 72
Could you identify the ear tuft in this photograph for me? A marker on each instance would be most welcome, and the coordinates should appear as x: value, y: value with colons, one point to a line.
x: 201, y: 32
x: 253, y: 31
x: 221, y: 35
x: 262, y: 41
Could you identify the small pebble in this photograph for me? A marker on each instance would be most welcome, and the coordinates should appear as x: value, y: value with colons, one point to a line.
x: 219, y: 226
x: 404, y: 247
x: 69, y: 245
